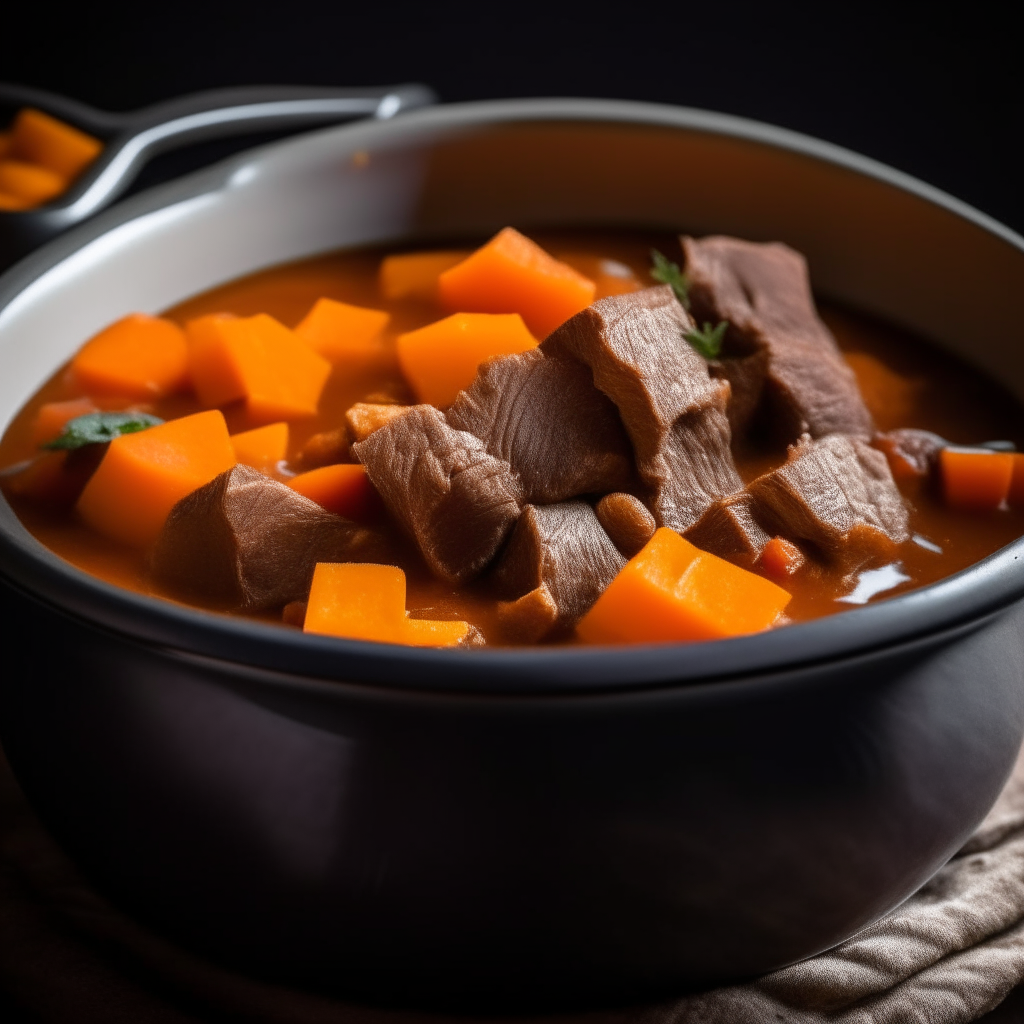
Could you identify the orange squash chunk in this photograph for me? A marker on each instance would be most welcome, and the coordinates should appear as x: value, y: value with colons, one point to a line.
x: 262, y: 448
x: 343, y: 488
x: 975, y: 479
x: 51, y: 417
x: 414, y: 275
x: 339, y: 331
x: 441, y: 359
x: 673, y: 591
x: 44, y: 140
x: 511, y: 274
x: 256, y: 359
x: 779, y: 557
x: 144, y: 475
x: 32, y: 184
x: 367, y: 602
x: 140, y: 356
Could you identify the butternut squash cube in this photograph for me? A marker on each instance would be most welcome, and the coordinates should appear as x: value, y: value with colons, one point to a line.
x: 144, y: 475
x: 30, y: 183
x: 262, y: 448
x: 51, y: 417
x: 975, y: 479
x: 343, y: 488
x: 340, y: 332
x: 257, y: 359
x: 42, y: 139
x: 414, y: 275
x: 673, y: 591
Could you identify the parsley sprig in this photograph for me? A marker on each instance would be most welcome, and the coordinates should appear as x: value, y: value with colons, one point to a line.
x: 708, y: 340
x: 667, y: 272
x: 101, y: 427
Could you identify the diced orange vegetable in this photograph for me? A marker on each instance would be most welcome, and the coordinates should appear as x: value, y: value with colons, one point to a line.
x: 52, y: 416
x: 258, y: 359
x: 779, y: 557
x: 1016, y: 495
x: 511, y: 274
x: 44, y: 140
x: 672, y: 590
x: 367, y: 602
x: 340, y: 332
x: 414, y: 275
x: 139, y: 356
x: 262, y: 448
x: 343, y: 488
x: 975, y: 479
x: 144, y: 475
x: 441, y: 359
x: 33, y: 184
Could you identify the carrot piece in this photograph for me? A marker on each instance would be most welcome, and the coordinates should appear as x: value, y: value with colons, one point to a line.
x: 779, y: 557
x: 367, y: 602
x: 511, y: 274
x: 262, y: 448
x: 441, y: 359
x: 139, y: 356
x: 44, y: 140
x: 144, y: 475
x: 975, y: 479
x: 1016, y: 495
x: 258, y: 359
x: 52, y: 416
x: 343, y: 488
x: 414, y: 275
x: 32, y: 184
x: 340, y: 332
x: 672, y: 590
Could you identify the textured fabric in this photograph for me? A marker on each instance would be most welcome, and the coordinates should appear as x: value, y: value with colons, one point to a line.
x: 948, y: 955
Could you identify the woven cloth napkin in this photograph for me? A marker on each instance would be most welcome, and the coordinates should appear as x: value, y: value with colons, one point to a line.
x: 949, y: 954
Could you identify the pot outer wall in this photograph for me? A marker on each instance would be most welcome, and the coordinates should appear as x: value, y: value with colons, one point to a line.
x: 518, y: 852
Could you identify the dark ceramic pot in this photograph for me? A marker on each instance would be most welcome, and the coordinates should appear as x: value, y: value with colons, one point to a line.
x: 533, y: 828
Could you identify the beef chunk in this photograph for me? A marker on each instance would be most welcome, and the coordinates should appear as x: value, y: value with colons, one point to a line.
x: 673, y: 411
x: 564, y: 549
x: 545, y: 418
x: 324, y: 449
x: 456, y: 501
x: 627, y: 521
x: 252, y: 542
x: 836, y: 492
x: 911, y: 453
x: 763, y: 290
x: 530, y: 618
x: 728, y: 528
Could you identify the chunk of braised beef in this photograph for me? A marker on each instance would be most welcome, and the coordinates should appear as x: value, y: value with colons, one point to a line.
x: 564, y: 549
x: 728, y: 529
x: 530, y: 618
x: 837, y: 493
x: 252, y: 542
x: 627, y: 520
x: 456, y: 501
x: 763, y: 290
x: 673, y: 410
x: 324, y: 449
x: 911, y: 453
x: 543, y: 416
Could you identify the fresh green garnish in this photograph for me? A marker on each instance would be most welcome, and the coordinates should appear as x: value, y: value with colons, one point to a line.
x: 667, y: 272
x: 101, y: 427
x: 708, y: 341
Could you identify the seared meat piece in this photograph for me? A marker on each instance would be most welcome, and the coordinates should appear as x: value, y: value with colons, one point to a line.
x: 763, y: 290
x: 252, y: 542
x: 728, y: 528
x: 457, y: 501
x: 324, y: 449
x: 911, y: 453
x: 836, y: 492
x: 545, y: 418
x: 627, y: 521
x: 529, y: 618
x: 564, y: 549
x: 673, y: 411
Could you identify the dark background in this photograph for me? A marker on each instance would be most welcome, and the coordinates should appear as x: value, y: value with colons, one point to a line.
x: 938, y: 94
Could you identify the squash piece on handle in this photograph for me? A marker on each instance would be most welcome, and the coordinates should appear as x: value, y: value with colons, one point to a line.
x: 975, y: 479
x: 442, y: 359
x: 367, y: 602
x: 42, y: 139
x: 673, y: 591
x: 145, y: 474
x: 511, y: 274
x: 139, y: 356
x: 340, y: 332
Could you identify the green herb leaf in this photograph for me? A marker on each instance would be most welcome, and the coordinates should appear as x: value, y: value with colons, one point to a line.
x: 708, y: 342
x: 101, y: 427
x: 667, y: 272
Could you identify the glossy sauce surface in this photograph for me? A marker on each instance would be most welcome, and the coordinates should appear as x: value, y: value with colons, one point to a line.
x: 905, y: 382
